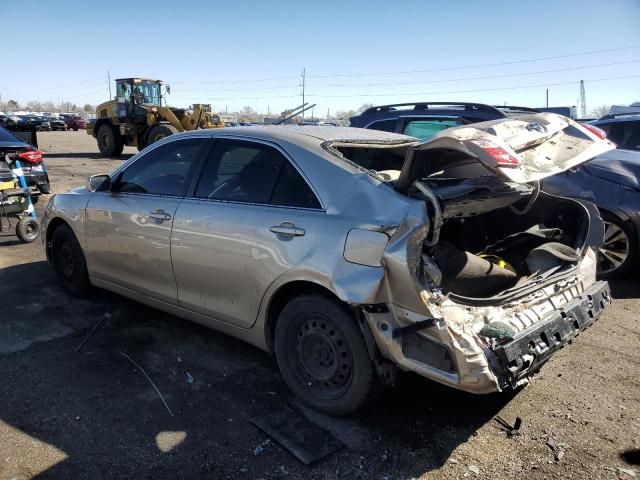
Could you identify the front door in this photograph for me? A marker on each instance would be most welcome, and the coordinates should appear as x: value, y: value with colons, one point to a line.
x: 251, y: 218
x: 128, y: 229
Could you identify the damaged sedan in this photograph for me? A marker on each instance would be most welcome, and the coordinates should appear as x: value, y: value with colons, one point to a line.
x: 350, y: 253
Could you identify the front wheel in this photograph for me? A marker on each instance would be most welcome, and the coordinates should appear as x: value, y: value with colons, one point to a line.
x: 69, y: 262
x: 322, y: 355
x: 160, y: 131
x: 619, y: 251
x: 109, y: 143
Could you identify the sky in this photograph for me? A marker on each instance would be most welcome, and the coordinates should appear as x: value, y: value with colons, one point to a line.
x: 252, y: 53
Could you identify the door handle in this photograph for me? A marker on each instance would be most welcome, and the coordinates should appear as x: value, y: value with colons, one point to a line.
x: 287, y: 228
x: 160, y: 215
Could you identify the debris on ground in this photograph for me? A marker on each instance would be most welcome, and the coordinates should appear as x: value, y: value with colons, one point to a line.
x: 189, y: 377
x: 558, y: 449
x: 473, y: 469
x: 150, y: 381
x: 261, y: 446
x: 105, y: 316
x: 512, y: 431
x: 627, y: 471
x: 295, y: 432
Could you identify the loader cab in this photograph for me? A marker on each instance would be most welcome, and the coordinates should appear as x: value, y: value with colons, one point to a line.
x: 134, y: 96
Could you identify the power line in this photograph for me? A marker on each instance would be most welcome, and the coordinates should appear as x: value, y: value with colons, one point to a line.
x: 397, y: 94
x: 222, y: 82
x: 480, y: 78
x: 482, y: 65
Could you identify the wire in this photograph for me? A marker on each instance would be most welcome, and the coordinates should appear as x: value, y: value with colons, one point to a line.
x: 220, y: 82
x: 481, y: 78
x: 482, y: 65
x: 473, y: 91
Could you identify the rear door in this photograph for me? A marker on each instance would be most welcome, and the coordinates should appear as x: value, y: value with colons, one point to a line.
x: 128, y: 230
x: 251, y: 217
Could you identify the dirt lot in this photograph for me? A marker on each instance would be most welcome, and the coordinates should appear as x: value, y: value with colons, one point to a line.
x: 68, y: 414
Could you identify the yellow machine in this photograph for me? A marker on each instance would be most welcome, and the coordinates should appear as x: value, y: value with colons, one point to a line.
x: 137, y: 117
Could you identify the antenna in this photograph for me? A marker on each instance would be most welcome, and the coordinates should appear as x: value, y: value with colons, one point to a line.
x: 583, y: 101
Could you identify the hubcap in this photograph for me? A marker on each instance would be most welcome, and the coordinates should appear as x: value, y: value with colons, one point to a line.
x: 614, y: 250
x: 104, y: 139
x: 324, y: 358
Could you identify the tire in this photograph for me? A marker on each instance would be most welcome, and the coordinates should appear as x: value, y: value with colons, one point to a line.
x: 44, y: 188
x: 28, y: 229
x: 619, y: 252
x: 69, y: 262
x: 160, y: 131
x: 322, y: 355
x: 109, y: 142
x: 75, y: 129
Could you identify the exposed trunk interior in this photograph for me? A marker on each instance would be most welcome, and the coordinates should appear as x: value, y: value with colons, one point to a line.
x: 495, y: 235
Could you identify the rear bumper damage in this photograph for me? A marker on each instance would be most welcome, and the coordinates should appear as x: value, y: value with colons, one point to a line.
x: 444, y: 345
x: 533, y: 347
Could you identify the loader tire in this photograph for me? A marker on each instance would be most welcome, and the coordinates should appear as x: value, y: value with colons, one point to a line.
x: 158, y: 132
x: 109, y: 143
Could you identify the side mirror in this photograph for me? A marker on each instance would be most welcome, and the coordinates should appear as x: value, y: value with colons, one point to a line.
x: 99, y: 183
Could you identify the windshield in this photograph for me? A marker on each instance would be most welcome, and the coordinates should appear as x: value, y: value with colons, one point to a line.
x: 147, y: 92
x: 144, y: 92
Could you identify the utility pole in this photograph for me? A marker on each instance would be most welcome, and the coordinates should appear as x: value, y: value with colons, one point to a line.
x: 547, y: 98
x: 304, y: 74
x: 109, y: 80
x: 583, y: 101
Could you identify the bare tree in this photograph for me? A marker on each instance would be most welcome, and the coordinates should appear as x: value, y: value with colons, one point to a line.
x: 600, y: 111
x: 34, y: 106
x: 88, y: 108
x: 365, y: 106
x: 13, y: 105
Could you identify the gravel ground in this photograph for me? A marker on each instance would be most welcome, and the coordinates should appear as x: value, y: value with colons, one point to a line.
x: 92, y: 413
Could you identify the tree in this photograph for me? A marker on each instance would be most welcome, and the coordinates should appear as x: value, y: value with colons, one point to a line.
x: 343, y: 116
x: 34, y: 106
x: 600, y: 111
x: 48, y: 106
x: 88, y: 108
x: 13, y: 105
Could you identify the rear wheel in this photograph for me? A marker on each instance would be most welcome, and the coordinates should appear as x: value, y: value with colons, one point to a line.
x: 619, y: 250
x: 28, y: 229
x: 160, y: 131
x: 109, y: 143
x: 68, y: 262
x: 322, y: 355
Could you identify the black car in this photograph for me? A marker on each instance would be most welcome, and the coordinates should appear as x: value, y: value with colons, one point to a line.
x: 612, y: 182
x: 57, y: 124
x: 33, y: 167
x: 425, y: 119
x: 622, y: 129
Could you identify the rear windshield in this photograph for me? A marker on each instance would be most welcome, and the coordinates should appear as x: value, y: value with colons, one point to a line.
x: 373, y: 158
x: 6, y: 136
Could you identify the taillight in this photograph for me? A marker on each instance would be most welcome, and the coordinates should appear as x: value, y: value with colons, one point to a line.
x: 31, y: 156
x: 598, y: 132
x: 502, y: 157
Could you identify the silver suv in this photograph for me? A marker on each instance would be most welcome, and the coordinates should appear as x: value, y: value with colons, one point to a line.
x: 351, y: 253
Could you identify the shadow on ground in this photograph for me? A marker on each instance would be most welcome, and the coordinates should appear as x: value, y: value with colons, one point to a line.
x: 99, y: 409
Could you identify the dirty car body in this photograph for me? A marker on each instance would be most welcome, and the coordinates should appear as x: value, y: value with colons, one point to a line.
x: 448, y: 259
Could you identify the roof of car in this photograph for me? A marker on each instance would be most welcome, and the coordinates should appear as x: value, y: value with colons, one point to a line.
x: 619, y: 117
x: 321, y: 132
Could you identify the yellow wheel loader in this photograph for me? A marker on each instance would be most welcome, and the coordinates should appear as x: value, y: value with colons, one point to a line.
x: 137, y: 117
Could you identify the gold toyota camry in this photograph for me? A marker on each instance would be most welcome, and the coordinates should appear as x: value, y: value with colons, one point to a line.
x: 350, y: 253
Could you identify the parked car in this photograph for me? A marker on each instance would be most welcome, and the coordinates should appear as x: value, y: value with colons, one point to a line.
x: 622, y: 129
x: 612, y: 182
x: 76, y: 122
x: 33, y: 120
x: 31, y: 158
x: 351, y: 253
x: 45, y: 124
x: 57, y: 124
x: 424, y: 119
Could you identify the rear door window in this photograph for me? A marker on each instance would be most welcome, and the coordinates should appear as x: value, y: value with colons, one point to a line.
x: 624, y: 134
x: 424, y: 129
x: 243, y: 171
x: 383, y: 125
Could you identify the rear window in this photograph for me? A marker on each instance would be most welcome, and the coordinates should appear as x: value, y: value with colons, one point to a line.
x: 424, y: 129
x: 374, y: 158
x: 6, y: 136
x: 383, y: 125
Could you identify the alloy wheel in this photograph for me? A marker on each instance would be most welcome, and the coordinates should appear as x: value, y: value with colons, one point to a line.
x: 615, y: 248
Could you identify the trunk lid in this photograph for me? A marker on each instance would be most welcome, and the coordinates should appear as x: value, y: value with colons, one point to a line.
x: 522, y: 149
